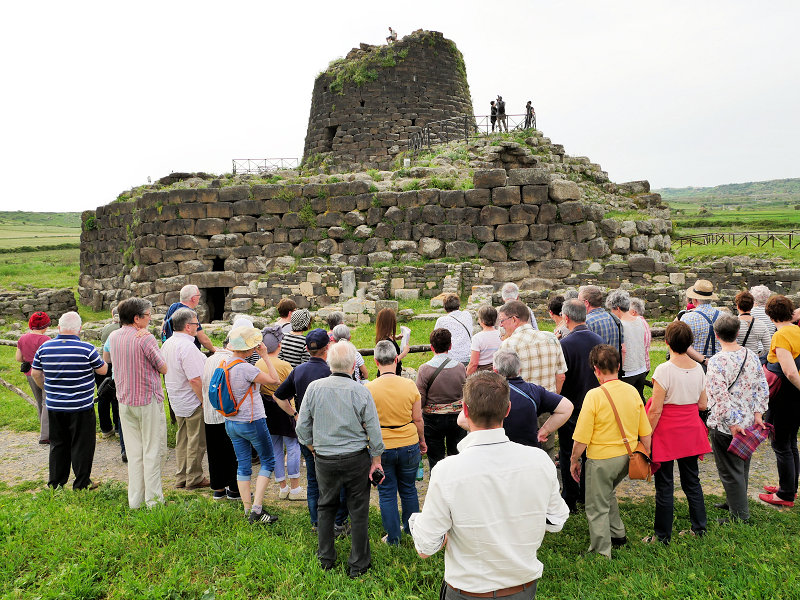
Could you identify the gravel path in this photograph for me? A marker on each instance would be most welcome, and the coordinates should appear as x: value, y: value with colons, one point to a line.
x: 23, y: 460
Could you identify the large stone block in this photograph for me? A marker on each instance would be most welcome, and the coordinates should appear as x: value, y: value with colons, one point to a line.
x: 432, y: 214
x: 628, y: 228
x: 259, y: 238
x: 639, y: 243
x: 192, y: 211
x: 523, y: 213
x: 555, y: 268
x: 460, y: 249
x: 242, y: 224
x: 193, y: 266
x: 493, y: 215
x: 621, y: 245
x: 342, y: 203
x: 489, y: 178
x: 379, y: 257
x: 511, y: 271
x: 327, y: 247
x: 408, y: 199
x: 452, y: 199
x: 219, y: 210
x: 402, y: 246
x: 248, y: 207
x: 178, y: 227
x: 483, y: 233
x: 547, y: 214
x: 148, y: 256
x: 445, y: 232
x: 557, y: 233
x: 585, y: 231
x: 329, y: 219
x: 234, y: 193
x: 571, y: 212
x: 511, y: 232
x: 506, y: 196
x: 534, y: 176
x: 642, y: 264
x: 598, y: 248
x: 354, y: 218
x: 406, y: 294
x: 494, y: 252
x: 278, y: 249
x: 527, y: 250
x: 534, y: 194
x: 562, y: 189
x: 214, y: 279
x: 478, y: 198
x: 207, y: 195
x: 610, y: 228
x: 538, y: 232
x: 265, y: 192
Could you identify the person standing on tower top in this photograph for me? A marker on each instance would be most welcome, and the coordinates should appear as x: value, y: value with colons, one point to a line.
x: 501, y: 114
x: 392, y: 38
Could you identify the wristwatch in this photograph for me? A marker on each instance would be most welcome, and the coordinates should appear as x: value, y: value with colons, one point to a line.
x: 295, y: 414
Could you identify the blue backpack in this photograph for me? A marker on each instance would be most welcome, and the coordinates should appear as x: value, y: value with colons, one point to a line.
x: 220, y: 394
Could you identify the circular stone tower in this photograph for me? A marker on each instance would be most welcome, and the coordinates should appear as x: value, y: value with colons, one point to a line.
x: 365, y: 105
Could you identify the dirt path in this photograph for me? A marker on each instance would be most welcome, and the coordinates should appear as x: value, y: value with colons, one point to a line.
x: 23, y: 460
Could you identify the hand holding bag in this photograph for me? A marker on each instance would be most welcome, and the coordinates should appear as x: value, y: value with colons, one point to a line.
x: 639, y: 459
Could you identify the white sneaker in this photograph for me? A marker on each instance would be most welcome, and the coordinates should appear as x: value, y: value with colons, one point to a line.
x: 283, y: 493
x: 297, y: 494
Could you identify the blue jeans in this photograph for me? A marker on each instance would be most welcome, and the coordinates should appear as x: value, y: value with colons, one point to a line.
x: 400, y: 468
x: 292, y: 446
x: 243, y: 435
x: 312, y: 491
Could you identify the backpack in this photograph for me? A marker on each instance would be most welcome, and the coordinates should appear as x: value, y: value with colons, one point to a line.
x: 220, y: 394
x: 501, y: 107
x: 166, y: 330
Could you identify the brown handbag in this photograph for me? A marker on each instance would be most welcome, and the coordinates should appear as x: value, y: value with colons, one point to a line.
x: 639, y: 459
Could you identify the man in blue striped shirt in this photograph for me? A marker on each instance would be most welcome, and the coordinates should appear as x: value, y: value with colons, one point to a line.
x: 603, y: 323
x: 65, y: 368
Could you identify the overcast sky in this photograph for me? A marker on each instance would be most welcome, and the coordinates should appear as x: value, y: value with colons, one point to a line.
x: 101, y: 95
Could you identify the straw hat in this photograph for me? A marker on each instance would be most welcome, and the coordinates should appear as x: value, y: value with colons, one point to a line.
x: 702, y: 289
x: 243, y: 338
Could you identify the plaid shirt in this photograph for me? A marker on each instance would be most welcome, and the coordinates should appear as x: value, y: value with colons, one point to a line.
x: 136, y: 362
x: 603, y: 324
x: 701, y: 329
x: 540, y: 355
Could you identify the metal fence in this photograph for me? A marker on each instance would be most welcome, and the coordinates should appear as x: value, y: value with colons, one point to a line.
x: 259, y: 166
x: 464, y: 128
x: 753, y: 239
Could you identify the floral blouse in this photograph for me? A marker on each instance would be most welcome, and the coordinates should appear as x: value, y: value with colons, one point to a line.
x: 749, y: 395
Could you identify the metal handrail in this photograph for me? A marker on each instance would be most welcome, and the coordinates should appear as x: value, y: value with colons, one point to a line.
x: 789, y: 239
x: 258, y: 166
x: 463, y: 128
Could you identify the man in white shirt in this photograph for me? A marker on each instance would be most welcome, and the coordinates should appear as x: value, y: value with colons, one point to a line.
x: 509, y: 292
x: 184, y: 381
x: 459, y: 324
x: 490, y: 538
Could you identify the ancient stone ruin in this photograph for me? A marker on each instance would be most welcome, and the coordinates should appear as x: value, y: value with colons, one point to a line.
x: 365, y: 105
x: 503, y: 208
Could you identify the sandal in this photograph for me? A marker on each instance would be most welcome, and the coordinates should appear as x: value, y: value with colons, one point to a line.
x: 650, y: 539
x: 687, y: 532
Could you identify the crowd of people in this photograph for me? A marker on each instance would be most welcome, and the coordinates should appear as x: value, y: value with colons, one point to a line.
x: 492, y: 397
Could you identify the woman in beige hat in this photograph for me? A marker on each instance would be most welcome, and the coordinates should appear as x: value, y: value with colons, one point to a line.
x: 249, y: 425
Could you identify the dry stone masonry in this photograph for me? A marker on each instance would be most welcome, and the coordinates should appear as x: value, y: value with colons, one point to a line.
x: 364, y: 106
x: 21, y: 304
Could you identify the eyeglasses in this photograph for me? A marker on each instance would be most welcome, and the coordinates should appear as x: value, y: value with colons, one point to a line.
x: 506, y: 319
x: 193, y: 324
x: 143, y: 315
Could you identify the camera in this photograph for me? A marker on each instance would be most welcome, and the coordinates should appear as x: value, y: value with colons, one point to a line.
x: 377, y: 477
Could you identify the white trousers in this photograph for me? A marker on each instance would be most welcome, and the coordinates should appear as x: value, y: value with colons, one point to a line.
x: 144, y: 429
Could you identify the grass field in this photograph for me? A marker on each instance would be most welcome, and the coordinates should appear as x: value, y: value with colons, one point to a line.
x: 65, y: 544
x: 14, y: 236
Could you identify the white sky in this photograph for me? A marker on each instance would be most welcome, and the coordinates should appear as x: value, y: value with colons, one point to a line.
x: 100, y: 95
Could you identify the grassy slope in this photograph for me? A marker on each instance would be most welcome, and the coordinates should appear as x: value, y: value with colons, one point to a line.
x: 21, y: 228
x: 775, y: 190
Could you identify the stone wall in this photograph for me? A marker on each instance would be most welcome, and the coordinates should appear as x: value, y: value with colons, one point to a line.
x: 21, y: 304
x: 364, y: 106
x: 516, y: 225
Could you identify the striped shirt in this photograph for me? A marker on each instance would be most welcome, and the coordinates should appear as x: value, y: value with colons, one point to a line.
x: 136, y: 363
x: 540, y: 355
x: 68, y: 365
x: 603, y: 324
x: 705, y: 342
x: 293, y: 349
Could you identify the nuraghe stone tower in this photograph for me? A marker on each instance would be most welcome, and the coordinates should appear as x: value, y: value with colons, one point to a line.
x: 365, y: 105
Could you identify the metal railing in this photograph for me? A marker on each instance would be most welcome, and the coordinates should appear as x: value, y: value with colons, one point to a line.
x: 789, y: 239
x: 258, y: 166
x: 464, y: 128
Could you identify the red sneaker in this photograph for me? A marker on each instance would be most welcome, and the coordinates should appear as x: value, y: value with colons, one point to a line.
x: 774, y: 500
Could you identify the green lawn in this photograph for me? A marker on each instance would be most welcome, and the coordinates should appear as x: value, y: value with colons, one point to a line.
x: 65, y: 544
x: 44, y: 268
x: 14, y: 236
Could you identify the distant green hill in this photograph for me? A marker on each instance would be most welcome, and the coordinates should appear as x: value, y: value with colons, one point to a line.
x: 47, y: 219
x: 774, y: 192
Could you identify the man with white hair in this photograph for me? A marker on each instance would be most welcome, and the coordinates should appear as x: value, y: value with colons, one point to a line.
x: 761, y: 294
x: 184, y: 381
x: 189, y: 298
x: 64, y: 368
x: 339, y: 423
x: 510, y: 292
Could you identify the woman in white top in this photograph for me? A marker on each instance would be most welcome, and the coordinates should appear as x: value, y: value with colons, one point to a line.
x: 678, y: 432
x: 484, y: 343
x: 634, y: 362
